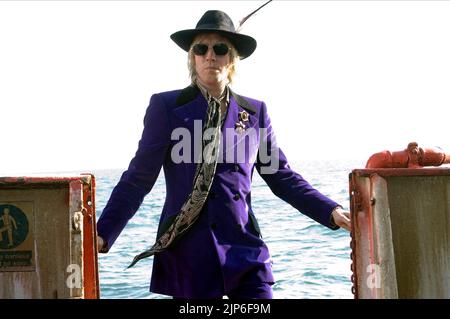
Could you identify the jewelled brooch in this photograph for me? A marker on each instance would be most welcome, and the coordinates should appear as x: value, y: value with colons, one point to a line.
x: 240, y: 127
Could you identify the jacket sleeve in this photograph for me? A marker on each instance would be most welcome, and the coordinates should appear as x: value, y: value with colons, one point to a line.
x: 285, y: 183
x: 138, y: 180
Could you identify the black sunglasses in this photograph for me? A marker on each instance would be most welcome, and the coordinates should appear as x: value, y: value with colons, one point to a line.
x: 219, y: 49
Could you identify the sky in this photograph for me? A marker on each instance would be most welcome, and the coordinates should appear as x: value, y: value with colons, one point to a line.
x: 341, y: 79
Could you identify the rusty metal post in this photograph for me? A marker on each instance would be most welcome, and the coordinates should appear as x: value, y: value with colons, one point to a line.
x: 48, y: 237
x: 400, y: 238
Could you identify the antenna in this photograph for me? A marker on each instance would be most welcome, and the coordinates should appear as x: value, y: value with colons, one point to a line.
x: 248, y: 16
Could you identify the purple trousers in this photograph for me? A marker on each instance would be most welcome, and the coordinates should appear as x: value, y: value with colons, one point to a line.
x: 250, y: 287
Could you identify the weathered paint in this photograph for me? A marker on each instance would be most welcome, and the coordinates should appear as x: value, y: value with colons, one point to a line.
x: 58, y: 242
x: 91, y: 279
x: 400, y: 226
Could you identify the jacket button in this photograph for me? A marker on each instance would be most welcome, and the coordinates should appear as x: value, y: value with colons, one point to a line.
x: 236, y: 196
x: 236, y: 168
x: 213, y: 226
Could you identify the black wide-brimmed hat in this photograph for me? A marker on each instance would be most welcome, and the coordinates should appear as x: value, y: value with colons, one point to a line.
x: 215, y: 21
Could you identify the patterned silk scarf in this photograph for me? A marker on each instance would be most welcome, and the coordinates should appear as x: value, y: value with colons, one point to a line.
x: 203, y: 179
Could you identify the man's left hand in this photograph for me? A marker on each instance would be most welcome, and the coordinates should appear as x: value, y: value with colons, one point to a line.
x: 342, y: 218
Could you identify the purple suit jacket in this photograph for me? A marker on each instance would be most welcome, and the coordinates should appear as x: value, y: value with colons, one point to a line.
x: 224, y: 245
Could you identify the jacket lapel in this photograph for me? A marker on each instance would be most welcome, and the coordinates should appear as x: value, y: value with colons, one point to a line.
x: 250, y: 108
x: 190, y: 106
x: 238, y: 105
x: 231, y: 138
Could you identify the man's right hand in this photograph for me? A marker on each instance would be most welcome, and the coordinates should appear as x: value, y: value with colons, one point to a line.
x: 100, y: 243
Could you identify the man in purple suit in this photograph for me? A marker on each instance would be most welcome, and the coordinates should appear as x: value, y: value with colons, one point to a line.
x: 209, y: 140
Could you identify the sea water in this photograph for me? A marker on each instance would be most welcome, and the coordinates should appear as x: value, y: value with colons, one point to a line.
x: 309, y: 260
